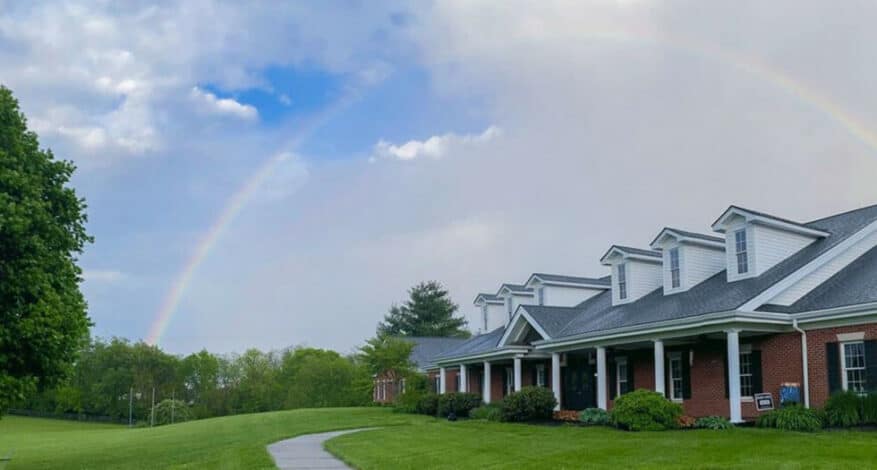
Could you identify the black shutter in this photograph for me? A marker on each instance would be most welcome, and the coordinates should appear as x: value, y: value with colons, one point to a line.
x: 533, y: 376
x: 871, y: 365
x: 613, y: 379
x: 686, y: 374
x: 629, y: 375
x: 832, y: 357
x: 757, y: 385
x: 666, y: 375
x: 725, y: 372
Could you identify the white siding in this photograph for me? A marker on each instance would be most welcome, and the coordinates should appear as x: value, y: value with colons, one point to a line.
x: 696, y: 264
x: 772, y: 246
x: 731, y: 250
x: 642, y: 277
x: 562, y: 296
x: 821, y: 274
x: 496, y: 316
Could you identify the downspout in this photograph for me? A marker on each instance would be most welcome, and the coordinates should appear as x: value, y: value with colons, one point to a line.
x: 803, y: 361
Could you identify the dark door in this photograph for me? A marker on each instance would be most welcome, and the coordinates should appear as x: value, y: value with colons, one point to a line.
x: 579, y: 391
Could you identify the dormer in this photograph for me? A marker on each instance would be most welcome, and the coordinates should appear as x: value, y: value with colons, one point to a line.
x: 564, y: 291
x: 491, y: 311
x: 513, y: 295
x: 688, y: 258
x: 755, y: 242
x: 635, y: 272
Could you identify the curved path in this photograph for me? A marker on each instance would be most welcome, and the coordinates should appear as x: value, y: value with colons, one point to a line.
x: 306, y: 452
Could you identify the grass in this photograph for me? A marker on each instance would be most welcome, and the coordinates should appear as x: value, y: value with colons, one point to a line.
x: 228, y: 442
x: 408, y: 441
x: 481, y: 444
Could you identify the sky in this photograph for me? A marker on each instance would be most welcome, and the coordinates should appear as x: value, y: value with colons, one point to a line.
x: 280, y: 174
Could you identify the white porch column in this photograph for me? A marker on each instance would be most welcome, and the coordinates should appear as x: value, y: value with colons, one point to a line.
x: 601, y: 378
x: 464, y: 381
x: 442, y: 381
x: 555, y: 377
x: 485, y: 388
x: 659, y: 367
x: 734, y: 375
x: 517, y: 374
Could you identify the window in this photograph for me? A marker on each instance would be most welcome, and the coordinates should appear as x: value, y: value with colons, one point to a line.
x: 540, y: 375
x: 674, y: 267
x: 509, y: 380
x: 742, y: 257
x: 676, y: 376
x: 621, y: 386
x: 402, y: 386
x: 622, y: 281
x: 540, y: 295
x: 853, y: 363
x: 508, y: 305
x: 746, y: 374
x: 437, y: 384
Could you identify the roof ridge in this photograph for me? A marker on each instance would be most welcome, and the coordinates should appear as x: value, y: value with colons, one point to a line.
x: 848, y: 212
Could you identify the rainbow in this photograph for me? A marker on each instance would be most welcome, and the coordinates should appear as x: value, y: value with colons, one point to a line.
x: 750, y: 65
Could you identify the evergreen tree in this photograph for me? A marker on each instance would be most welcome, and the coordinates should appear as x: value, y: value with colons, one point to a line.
x: 428, y: 312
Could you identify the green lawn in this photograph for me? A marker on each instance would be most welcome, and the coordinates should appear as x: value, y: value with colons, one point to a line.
x: 422, y: 443
x: 229, y: 442
x: 479, y: 444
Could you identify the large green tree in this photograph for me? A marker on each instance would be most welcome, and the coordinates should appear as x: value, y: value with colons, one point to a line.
x: 428, y: 311
x: 43, y: 318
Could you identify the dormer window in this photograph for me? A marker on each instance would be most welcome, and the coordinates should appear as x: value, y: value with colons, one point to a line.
x: 540, y: 295
x: 622, y: 281
x: 675, y: 280
x: 508, y: 306
x: 484, y: 316
x: 742, y: 256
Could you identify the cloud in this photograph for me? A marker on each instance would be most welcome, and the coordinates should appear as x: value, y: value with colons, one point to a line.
x: 223, y: 106
x: 434, y: 147
x: 103, y: 276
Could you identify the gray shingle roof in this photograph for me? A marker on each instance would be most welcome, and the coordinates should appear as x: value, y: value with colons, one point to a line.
x: 685, y: 233
x: 551, y: 319
x: 489, y: 297
x: 427, y: 348
x: 779, y: 219
x: 572, y: 279
x: 635, y: 251
x: 855, y: 284
x: 476, y: 344
x: 516, y: 288
x: 715, y: 294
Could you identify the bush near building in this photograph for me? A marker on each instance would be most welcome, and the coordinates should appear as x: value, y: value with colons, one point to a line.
x: 529, y: 404
x: 644, y: 410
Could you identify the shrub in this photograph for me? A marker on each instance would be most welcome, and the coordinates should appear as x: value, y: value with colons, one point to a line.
x: 490, y: 412
x: 595, y: 416
x: 427, y: 405
x: 530, y: 403
x: 408, y: 401
x: 842, y: 410
x: 793, y: 418
x: 642, y: 410
x: 869, y: 409
x: 458, y: 403
x: 171, y: 411
x: 713, y: 422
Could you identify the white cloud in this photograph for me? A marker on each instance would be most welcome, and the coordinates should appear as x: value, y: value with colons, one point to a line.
x: 435, y: 147
x: 105, y: 276
x: 209, y: 102
x: 288, y: 174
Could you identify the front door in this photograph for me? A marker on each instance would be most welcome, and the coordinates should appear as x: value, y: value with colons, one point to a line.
x: 579, y: 391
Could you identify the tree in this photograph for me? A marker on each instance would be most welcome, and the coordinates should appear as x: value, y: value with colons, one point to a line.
x: 42, y: 230
x: 387, y: 355
x: 428, y: 312
x: 318, y: 378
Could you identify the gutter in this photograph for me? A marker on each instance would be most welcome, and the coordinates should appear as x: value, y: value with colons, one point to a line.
x: 806, y: 383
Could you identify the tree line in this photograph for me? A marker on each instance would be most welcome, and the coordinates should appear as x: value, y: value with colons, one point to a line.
x: 111, y: 375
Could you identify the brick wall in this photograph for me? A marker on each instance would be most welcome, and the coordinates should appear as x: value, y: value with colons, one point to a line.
x: 816, y: 361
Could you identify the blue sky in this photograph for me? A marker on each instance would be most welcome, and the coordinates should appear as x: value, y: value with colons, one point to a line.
x: 469, y: 143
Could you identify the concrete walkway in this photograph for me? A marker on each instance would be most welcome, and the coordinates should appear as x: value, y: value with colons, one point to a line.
x: 306, y: 452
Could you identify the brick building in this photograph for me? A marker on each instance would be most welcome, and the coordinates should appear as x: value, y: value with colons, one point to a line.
x: 710, y: 321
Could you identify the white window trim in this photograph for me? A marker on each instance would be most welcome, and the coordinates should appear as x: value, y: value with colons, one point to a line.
x: 621, y: 270
x: 738, y: 252
x: 677, y: 270
x: 508, y: 306
x: 746, y: 351
x: 509, y: 381
x: 540, y: 295
x: 843, y: 363
x: 484, y: 316
x: 620, y: 361
x: 675, y: 356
